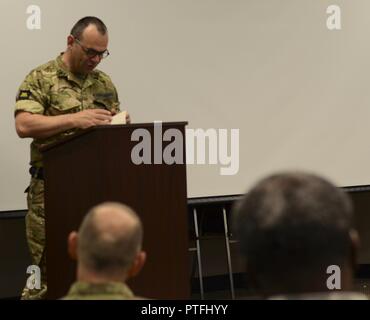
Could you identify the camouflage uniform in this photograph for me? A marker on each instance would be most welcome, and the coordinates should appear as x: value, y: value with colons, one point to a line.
x: 99, y: 291
x: 52, y: 90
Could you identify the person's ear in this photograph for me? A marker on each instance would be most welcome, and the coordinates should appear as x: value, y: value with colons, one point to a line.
x: 355, y: 247
x: 70, y: 41
x: 137, y: 265
x: 72, y: 245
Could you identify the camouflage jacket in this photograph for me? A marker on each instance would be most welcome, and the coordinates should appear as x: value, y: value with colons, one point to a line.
x: 52, y: 90
x: 101, y: 291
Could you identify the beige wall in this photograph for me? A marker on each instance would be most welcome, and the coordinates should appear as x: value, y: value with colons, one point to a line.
x: 298, y: 92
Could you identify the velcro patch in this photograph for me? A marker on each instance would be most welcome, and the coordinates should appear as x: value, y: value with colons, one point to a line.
x: 23, y: 95
x: 106, y: 95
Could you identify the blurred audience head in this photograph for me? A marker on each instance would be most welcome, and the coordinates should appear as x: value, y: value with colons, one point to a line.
x: 292, y: 226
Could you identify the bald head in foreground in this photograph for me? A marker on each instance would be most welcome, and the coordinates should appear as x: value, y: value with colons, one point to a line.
x: 108, y: 249
x: 295, y: 229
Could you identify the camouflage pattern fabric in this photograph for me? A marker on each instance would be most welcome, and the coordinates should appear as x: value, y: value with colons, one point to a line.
x: 99, y: 291
x: 35, y: 231
x: 52, y: 90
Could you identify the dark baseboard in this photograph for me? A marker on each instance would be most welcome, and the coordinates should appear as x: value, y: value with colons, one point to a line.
x: 218, y: 283
x: 363, y: 271
x: 14, y: 214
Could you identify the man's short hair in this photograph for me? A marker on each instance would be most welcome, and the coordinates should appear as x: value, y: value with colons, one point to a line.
x: 106, y: 252
x: 83, y: 23
x: 291, y: 226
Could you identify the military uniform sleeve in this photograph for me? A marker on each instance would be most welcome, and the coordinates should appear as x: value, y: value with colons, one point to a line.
x: 31, y: 95
x: 116, y: 103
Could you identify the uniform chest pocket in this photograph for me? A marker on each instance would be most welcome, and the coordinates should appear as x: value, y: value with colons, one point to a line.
x: 64, y: 100
x: 106, y: 101
x: 103, y: 104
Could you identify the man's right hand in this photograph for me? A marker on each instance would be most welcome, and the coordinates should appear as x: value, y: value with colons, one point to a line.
x: 91, y: 117
x: 38, y: 126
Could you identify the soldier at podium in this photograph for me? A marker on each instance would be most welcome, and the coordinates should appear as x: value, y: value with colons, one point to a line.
x: 56, y: 100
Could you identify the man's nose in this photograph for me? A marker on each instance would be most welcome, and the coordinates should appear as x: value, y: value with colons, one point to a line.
x: 96, y: 59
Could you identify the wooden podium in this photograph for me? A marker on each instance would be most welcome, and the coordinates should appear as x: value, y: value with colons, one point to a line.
x: 95, y: 166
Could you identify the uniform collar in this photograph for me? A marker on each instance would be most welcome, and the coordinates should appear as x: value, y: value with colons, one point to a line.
x: 108, y: 288
x: 63, y: 71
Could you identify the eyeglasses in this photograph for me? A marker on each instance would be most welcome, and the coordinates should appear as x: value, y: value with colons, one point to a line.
x: 91, y: 53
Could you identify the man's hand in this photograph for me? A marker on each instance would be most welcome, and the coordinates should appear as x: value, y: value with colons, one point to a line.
x: 38, y: 126
x: 91, y: 117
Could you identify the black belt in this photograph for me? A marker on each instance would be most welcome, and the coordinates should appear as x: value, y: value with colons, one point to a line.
x: 37, y: 173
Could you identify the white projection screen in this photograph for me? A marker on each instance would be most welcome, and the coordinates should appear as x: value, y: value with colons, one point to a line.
x: 297, y: 91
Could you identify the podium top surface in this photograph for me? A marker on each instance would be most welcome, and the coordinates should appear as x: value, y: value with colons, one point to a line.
x: 109, y: 127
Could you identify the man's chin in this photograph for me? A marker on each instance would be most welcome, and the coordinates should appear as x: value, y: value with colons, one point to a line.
x: 90, y: 68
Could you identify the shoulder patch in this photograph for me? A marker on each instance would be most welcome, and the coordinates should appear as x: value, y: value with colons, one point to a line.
x: 24, y: 94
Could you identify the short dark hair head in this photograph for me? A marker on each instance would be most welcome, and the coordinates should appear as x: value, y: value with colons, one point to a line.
x: 110, y: 237
x: 291, y: 227
x: 83, y: 23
